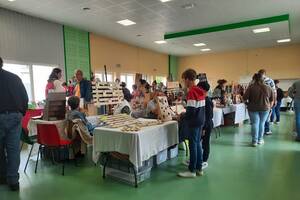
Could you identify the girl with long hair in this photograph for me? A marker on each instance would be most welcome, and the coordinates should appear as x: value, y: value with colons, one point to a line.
x: 259, y: 99
x: 54, y: 82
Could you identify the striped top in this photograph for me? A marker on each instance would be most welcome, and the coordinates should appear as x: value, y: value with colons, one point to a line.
x: 195, y: 110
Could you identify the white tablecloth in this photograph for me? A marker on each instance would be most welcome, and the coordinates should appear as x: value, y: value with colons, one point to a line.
x: 218, y: 117
x: 140, y: 146
x: 60, y: 125
x: 241, y: 112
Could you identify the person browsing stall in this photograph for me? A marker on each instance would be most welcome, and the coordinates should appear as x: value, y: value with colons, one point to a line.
x: 294, y: 92
x: 276, y: 108
x: 13, y: 106
x: 195, y: 118
x: 269, y: 82
x: 83, y: 88
x: 126, y: 92
x: 54, y: 82
x: 208, y: 126
x: 259, y: 99
x: 219, y: 92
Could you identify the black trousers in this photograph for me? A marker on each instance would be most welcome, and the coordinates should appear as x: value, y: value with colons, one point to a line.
x: 206, y: 141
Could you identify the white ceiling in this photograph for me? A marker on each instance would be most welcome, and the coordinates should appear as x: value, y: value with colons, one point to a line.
x: 154, y: 19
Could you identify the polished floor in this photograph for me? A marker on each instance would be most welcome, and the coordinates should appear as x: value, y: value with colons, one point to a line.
x: 236, y: 171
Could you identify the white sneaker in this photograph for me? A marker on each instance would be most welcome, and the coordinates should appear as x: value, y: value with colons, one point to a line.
x: 200, y: 173
x: 186, y: 163
x: 268, y: 133
x: 277, y: 123
x: 271, y: 123
x: 261, y: 142
x: 204, y: 165
x: 187, y: 174
x: 254, y: 144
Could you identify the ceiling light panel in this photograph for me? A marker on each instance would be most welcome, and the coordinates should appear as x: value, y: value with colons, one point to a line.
x: 284, y: 40
x: 160, y: 42
x: 126, y: 22
x: 199, y: 44
x: 261, y: 30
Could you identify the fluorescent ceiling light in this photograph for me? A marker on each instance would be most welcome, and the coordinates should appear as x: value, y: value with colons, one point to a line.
x: 161, y: 42
x: 205, y: 50
x: 11, y: 0
x: 199, y: 44
x: 261, y: 30
x: 126, y: 22
x: 164, y: 1
x: 284, y: 40
x: 188, y: 6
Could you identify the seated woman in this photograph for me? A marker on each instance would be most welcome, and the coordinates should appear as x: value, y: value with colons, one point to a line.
x: 152, y: 106
x: 139, y: 104
x: 219, y: 91
x: 75, y: 113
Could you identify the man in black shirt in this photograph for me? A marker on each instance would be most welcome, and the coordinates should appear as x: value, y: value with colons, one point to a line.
x: 13, y: 106
x: 126, y: 92
x: 209, y: 125
x: 276, y: 108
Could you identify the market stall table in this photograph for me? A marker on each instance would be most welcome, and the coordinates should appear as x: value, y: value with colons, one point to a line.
x: 218, y: 117
x: 140, y: 145
x: 235, y: 114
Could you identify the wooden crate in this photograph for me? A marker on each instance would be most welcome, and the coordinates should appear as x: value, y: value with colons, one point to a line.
x: 55, y: 108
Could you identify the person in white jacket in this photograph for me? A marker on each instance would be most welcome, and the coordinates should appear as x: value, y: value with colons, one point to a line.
x: 54, y: 82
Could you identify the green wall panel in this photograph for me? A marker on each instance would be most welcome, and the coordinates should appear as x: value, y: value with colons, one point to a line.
x: 77, y: 51
x: 173, y: 66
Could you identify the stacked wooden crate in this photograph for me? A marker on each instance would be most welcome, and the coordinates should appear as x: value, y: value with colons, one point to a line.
x: 172, y: 88
x: 106, y: 93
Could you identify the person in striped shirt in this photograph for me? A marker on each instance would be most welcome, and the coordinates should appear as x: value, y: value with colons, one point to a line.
x: 194, y: 119
x: 269, y: 82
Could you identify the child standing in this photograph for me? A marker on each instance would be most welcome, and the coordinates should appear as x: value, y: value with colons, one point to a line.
x: 195, y: 118
x: 208, y: 126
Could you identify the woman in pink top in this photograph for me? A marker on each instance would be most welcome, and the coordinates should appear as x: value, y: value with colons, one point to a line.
x: 54, y: 84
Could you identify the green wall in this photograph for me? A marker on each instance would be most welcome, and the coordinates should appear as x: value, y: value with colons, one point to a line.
x: 173, y: 67
x: 77, y: 51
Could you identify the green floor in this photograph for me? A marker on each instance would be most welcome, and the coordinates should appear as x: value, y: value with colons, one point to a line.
x: 236, y: 171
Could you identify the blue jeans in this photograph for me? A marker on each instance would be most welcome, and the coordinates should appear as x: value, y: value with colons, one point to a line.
x: 276, y: 112
x: 195, y: 149
x: 267, y: 123
x: 10, y: 132
x: 297, y: 113
x: 258, y: 120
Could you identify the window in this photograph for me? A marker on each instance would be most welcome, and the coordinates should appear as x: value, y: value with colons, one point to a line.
x: 101, y: 77
x: 23, y: 71
x: 161, y: 79
x: 40, y: 77
x: 34, y: 78
x: 148, y: 78
x: 128, y: 79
